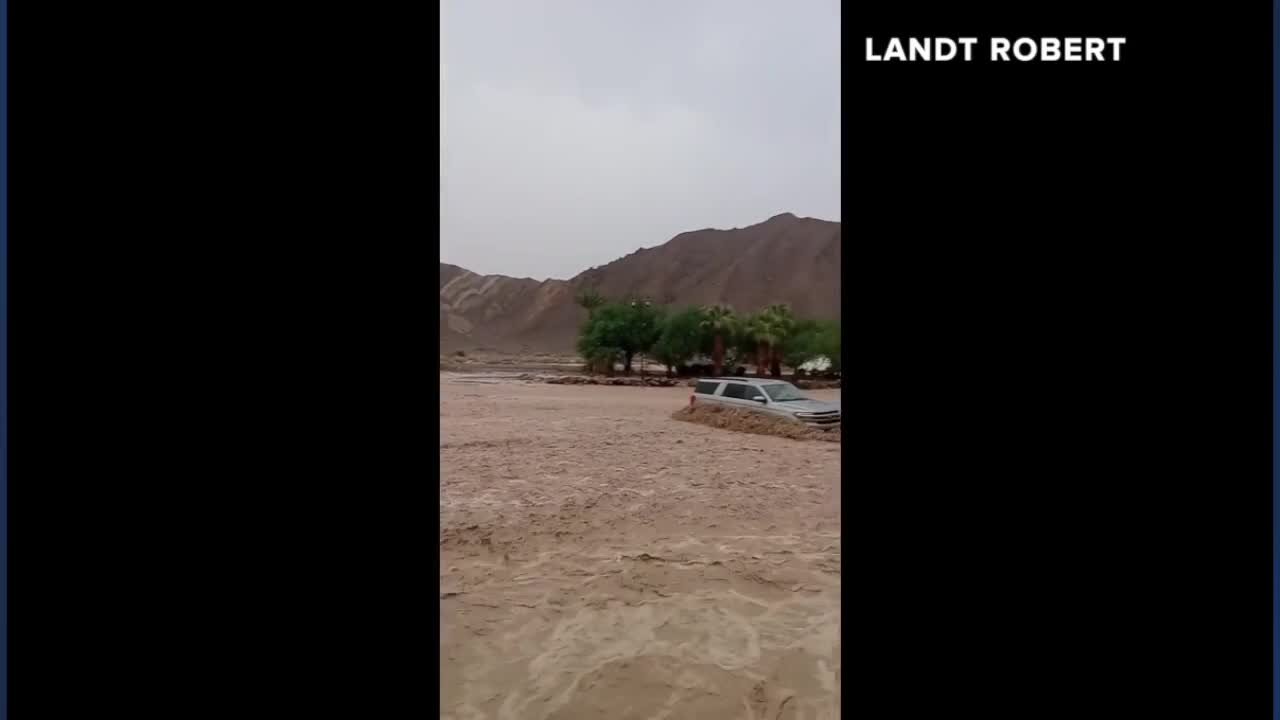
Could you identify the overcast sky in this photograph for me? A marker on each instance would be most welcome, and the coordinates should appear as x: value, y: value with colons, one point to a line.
x: 577, y: 131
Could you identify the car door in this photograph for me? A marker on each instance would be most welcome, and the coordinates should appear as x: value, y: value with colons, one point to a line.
x: 724, y: 396
x: 737, y: 394
x: 768, y: 406
x: 706, y: 391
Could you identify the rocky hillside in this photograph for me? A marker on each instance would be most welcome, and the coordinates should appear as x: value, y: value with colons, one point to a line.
x: 784, y: 259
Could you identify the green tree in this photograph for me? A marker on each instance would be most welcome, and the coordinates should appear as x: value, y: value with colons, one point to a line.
x: 829, y: 344
x: 720, y: 323
x: 801, y: 346
x: 682, y: 337
x: 594, y: 347
x: 743, y: 341
x: 781, y: 324
x: 756, y: 334
x: 598, y: 358
x: 622, y: 329
x: 811, y: 339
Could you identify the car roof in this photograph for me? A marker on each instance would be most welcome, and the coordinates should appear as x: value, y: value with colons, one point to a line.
x: 751, y: 381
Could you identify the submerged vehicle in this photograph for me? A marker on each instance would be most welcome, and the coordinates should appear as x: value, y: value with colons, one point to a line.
x: 763, y: 395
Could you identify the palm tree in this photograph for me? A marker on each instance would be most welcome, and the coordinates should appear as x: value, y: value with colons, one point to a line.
x: 590, y: 298
x: 758, y: 329
x: 782, y: 323
x: 719, y: 321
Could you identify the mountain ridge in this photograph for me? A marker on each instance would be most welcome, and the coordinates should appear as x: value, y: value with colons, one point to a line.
x: 785, y: 258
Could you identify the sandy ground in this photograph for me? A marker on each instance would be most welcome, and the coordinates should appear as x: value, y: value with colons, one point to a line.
x: 599, y: 559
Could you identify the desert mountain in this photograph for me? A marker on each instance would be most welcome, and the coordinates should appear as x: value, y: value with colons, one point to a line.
x: 785, y: 259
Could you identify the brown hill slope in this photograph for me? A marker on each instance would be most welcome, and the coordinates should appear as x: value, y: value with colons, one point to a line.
x: 784, y: 259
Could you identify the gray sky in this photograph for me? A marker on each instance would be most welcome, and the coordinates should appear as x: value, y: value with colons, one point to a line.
x: 574, y: 132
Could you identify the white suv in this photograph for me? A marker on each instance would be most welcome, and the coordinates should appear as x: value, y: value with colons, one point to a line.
x: 773, y: 397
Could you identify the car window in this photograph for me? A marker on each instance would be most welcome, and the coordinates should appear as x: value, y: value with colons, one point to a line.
x: 706, y: 388
x: 735, y: 390
x: 782, y: 392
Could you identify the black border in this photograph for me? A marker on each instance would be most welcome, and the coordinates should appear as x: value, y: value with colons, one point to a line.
x: 220, y: 461
x: 1067, y: 442
x: 222, y: 464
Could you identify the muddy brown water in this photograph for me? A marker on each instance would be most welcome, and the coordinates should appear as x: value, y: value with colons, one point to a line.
x: 600, y: 558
